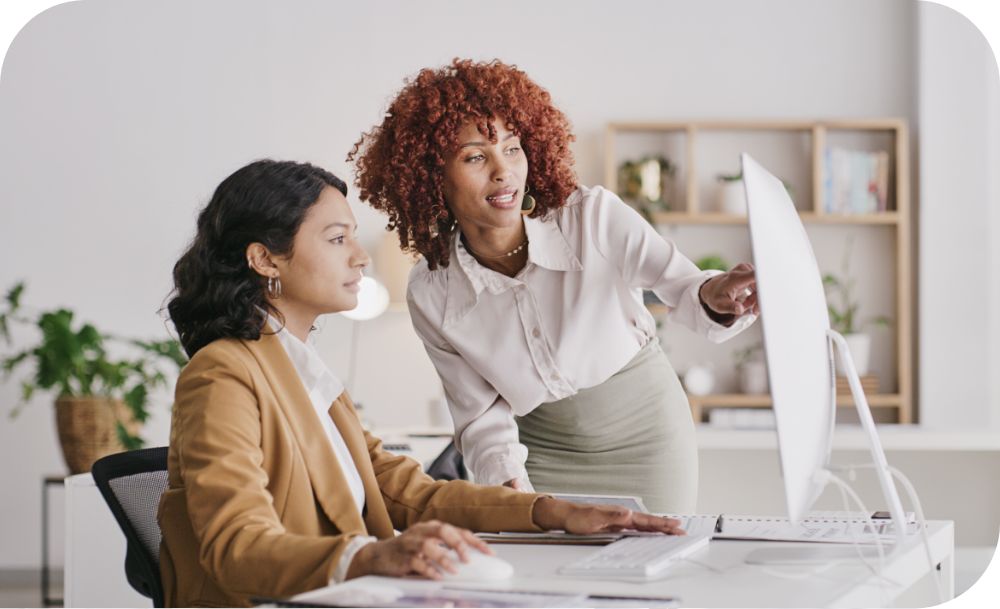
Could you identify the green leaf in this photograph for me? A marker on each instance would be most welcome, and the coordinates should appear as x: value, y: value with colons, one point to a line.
x: 135, y: 399
x: 169, y: 349
x: 128, y: 441
x: 881, y: 320
x: 13, y: 297
x: 712, y: 262
x: 27, y: 390
x: 13, y: 361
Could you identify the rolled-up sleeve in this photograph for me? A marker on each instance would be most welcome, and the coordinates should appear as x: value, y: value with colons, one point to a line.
x: 485, y: 430
x: 647, y: 260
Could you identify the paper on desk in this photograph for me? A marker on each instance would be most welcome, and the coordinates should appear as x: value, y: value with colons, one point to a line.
x: 411, y: 592
x: 831, y: 527
x: 764, y: 529
x: 551, y: 537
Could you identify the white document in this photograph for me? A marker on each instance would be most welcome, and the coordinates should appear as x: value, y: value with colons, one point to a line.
x: 830, y: 527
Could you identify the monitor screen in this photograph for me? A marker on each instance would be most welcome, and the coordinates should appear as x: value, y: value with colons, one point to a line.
x: 794, y: 317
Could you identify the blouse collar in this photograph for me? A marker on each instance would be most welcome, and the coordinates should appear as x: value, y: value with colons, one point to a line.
x: 547, y: 248
x: 319, y: 381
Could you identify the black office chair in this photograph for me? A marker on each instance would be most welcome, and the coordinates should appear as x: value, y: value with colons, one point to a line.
x: 448, y: 465
x: 131, y: 483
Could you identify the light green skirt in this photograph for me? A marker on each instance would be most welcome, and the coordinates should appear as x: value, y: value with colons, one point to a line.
x: 630, y: 435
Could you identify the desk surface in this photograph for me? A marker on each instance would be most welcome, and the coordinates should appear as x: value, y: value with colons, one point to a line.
x: 719, y: 577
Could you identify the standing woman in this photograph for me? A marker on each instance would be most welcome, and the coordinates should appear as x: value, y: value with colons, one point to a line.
x: 528, y: 297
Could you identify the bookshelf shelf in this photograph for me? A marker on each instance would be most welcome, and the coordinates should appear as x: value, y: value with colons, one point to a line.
x: 742, y: 400
x: 668, y: 217
x: 700, y: 404
x: 798, y: 150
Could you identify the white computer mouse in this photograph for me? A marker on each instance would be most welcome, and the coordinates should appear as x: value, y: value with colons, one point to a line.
x: 481, y: 567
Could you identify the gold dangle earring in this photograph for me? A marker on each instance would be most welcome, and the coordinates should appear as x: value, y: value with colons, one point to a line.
x: 528, y: 202
x: 274, y: 288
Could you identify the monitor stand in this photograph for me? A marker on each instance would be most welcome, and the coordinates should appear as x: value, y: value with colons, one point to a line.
x: 812, y: 553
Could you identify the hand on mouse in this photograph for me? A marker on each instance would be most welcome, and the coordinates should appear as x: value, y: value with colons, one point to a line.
x: 423, y: 549
x: 550, y: 513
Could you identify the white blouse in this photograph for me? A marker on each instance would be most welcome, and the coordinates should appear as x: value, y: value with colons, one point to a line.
x: 323, y: 388
x: 569, y: 320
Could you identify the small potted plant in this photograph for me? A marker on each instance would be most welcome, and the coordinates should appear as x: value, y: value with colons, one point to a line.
x: 844, y: 317
x: 752, y: 368
x: 732, y: 198
x: 647, y: 183
x: 712, y: 262
x: 100, y: 400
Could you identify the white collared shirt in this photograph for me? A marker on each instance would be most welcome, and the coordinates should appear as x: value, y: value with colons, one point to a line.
x: 323, y: 388
x: 570, y: 319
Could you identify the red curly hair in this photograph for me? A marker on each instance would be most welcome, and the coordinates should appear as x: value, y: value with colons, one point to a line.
x: 400, y: 163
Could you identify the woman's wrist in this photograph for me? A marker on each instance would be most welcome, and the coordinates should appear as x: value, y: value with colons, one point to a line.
x: 361, y: 564
x: 549, y: 513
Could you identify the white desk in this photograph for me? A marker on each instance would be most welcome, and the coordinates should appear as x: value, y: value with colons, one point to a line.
x: 720, y: 578
x: 95, y: 551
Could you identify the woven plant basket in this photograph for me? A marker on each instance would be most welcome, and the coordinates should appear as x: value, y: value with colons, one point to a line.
x: 87, y: 430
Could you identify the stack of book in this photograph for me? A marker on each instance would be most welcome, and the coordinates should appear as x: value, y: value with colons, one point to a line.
x: 869, y: 384
x: 856, y: 181
x: 741, y: 418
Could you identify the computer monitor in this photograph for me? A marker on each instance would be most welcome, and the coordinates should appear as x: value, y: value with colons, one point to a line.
x: 798, y: 345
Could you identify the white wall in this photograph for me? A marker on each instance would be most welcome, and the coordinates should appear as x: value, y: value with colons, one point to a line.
x: 117, y: 119
x: 993, y: 205
x: 957, y: 218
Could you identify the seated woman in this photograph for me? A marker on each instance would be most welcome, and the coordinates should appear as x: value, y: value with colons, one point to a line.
x: 274, y: 486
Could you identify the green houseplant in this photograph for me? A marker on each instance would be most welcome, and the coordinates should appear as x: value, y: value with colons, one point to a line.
x: 72, y: 361
x: 844, y: 315
x: 731, y: 196
x: 647, y: 183
x: 712, y: 262
x: 752, y: 369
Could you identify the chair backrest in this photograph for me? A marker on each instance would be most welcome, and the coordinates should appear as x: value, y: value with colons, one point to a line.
x: 448, y: 465
x: 131, y: 484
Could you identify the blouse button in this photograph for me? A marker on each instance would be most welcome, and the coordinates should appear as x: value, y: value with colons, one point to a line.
x: 536, y: 333
x: 555, y: 376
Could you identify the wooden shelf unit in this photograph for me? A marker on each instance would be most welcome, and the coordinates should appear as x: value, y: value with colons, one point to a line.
x: 896, y: 220
x: 701, y: 403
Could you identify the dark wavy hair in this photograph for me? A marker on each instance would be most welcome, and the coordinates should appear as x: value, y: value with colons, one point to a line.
x: 216, y: 294
x: 400, y: 163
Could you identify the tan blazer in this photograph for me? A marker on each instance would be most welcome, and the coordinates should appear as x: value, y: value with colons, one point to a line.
x: 257, y: 504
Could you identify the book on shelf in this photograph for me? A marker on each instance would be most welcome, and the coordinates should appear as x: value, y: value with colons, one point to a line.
x: 869, y: 384
x: 741, y: 418
x: 855, y: 181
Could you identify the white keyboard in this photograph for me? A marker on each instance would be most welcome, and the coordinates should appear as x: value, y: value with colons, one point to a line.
x: 640, y: 556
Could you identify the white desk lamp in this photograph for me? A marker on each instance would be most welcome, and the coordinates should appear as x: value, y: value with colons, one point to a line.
x: 373, y: 300
x: 376, y: 297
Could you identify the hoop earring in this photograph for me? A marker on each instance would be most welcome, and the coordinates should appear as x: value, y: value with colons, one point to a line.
x: 273, y: 288
x: 528, y: 202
